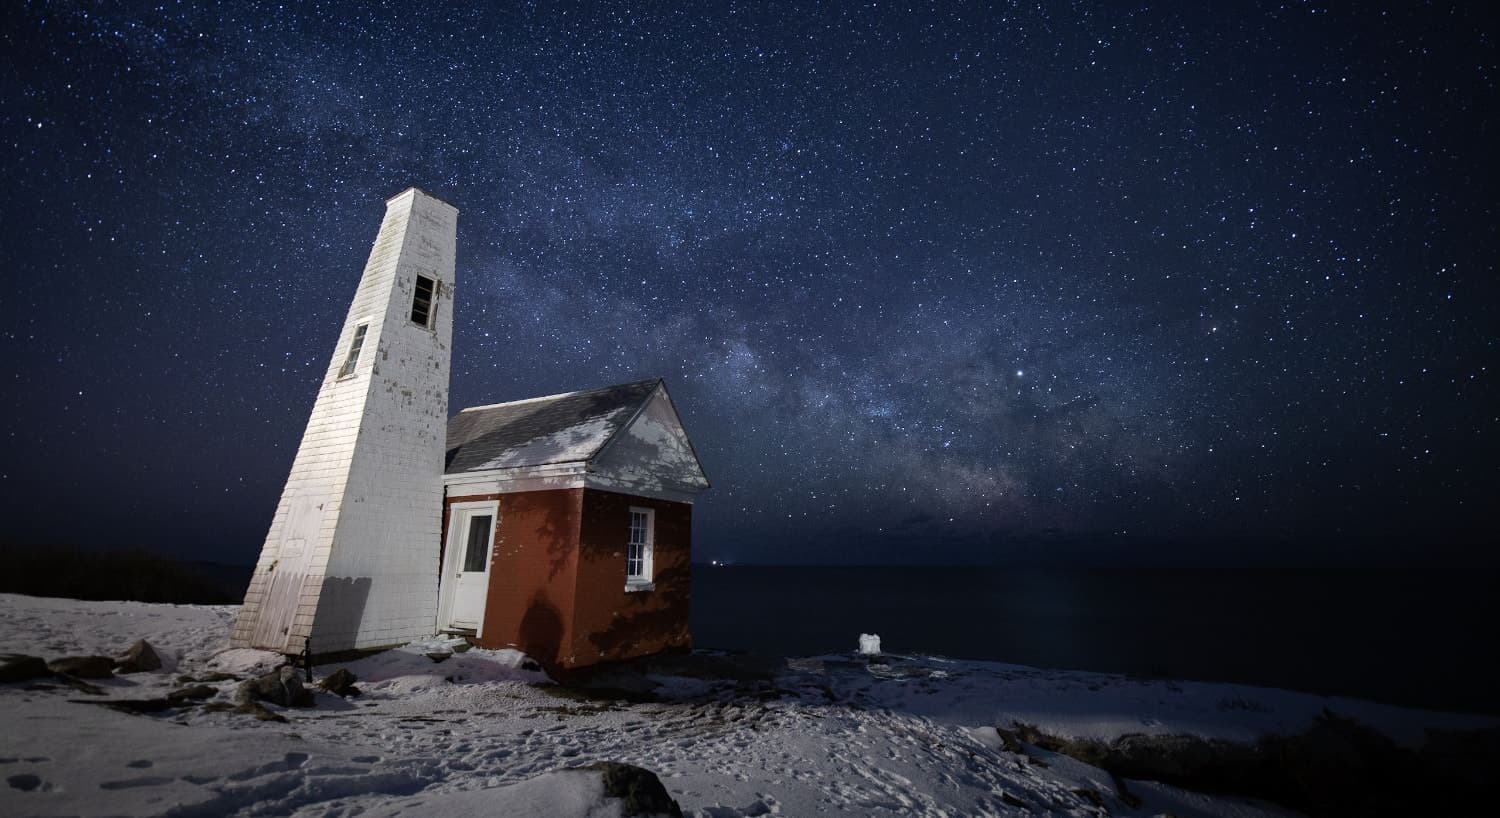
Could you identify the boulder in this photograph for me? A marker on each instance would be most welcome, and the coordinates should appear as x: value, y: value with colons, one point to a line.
x: 18, y: 667
x: 84, y: 667
x: 340, y: 683
x: 25, y: 782
x: 607, y: 788
x: 79, y: 685
x: 136, y: 706
x: 192, y: 692
x: 260, y: 712
x: 255, y: 709
x: 140, y: 657
x: 282, y: 686
x: 639, y: 790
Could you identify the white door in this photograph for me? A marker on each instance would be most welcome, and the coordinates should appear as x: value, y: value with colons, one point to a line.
x: 474, y: 531
x: 299, y: 533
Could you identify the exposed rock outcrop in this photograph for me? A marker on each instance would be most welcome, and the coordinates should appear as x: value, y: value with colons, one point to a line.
x: 1325, y: 770
x: 192, y: 693
x: 84, y: 667
x: 140, y: 657
x: 282, y: 686
x: 18, y: 667
x: 639, y: 790
x: 340, y: 683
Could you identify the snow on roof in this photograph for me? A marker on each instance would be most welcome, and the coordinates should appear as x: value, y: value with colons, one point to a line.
x: 567, y: 428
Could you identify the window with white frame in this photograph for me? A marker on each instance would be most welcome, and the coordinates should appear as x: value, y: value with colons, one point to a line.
x: 638, y: 549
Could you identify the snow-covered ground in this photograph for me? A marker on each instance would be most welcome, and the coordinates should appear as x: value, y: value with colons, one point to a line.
x: 834, y: 734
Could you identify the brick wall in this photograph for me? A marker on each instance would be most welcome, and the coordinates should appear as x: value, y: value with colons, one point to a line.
x: 532, y: 574
x: 557, y: 578
x: 611, y: 623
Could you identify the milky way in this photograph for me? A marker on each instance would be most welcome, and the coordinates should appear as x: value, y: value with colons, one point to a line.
x: 923, y: 283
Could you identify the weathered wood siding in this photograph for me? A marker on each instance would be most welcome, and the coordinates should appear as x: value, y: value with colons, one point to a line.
x: 372, y: 454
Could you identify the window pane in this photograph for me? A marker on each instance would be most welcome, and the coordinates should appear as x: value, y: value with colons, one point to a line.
x: 479, y: 542
x: 421, y: 301
x: 636, y: 556
x: 355, y: 344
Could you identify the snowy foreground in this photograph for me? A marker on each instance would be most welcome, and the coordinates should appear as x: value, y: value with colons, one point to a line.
x: 479, y: 735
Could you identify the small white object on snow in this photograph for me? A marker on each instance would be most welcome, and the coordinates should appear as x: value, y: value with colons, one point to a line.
x: 869, y: 644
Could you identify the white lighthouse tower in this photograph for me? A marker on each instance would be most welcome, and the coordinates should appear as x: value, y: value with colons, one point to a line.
x: 351, y: 560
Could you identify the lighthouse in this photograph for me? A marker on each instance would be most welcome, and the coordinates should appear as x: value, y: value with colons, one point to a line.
x: 350, y: 560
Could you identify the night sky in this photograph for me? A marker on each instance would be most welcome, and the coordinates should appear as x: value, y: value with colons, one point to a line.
x: 929, y: 284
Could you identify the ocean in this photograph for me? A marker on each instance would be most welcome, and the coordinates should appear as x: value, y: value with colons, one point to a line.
x: 1418, y: 638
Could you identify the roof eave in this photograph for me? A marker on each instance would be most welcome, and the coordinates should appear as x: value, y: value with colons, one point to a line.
x: 560, y: 467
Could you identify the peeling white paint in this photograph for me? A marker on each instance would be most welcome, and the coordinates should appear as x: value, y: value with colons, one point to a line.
x: 374, y: 448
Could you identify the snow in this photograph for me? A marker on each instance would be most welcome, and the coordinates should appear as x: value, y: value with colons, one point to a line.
x: 575, y: 443
x: 245, y: 661
x: 565, y: 792
x: 481, y: 732
x: 869, y: 644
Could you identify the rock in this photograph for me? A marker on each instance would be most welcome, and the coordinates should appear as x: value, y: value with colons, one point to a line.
x: 140, y: 657
x: 135, y: 706
x: 438, y: 656
x: 1092, y: 796
x: 282, y: 686
x: 84, y: 667
x: 1009, y: 742
x: 255, y: 709
x: 260, y: 712
x: 18, y: 667
x: 79, y: 685
x: 25, y: 782
x: 340, y: 683
x: 193, y: 692
x: 640, y: 790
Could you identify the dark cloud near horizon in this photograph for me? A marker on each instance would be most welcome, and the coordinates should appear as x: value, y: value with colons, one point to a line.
x: 963, y: 275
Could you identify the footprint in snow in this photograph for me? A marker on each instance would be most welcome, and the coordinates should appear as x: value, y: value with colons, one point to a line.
x: 140, y: 763
x: 289, y: 762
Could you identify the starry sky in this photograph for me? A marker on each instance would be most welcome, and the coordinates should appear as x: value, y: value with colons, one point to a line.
x: 928, y: 283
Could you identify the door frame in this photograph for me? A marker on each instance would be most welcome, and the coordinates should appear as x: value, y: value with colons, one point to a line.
x: 459, y: 513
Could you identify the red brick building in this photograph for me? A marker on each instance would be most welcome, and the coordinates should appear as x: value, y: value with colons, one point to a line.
x: 567, y: 525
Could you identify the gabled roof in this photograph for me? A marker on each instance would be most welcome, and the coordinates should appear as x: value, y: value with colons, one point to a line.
x: 568, y: 428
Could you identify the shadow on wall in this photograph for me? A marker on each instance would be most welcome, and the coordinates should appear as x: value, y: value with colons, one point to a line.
x: 541, y: 631
x: 656, y: 619
x: 341, y: 607
x: 559, y: 531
